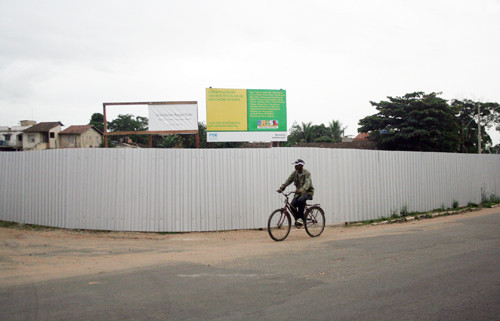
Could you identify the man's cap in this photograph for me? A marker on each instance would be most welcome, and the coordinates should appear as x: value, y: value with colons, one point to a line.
x: 299, y: 162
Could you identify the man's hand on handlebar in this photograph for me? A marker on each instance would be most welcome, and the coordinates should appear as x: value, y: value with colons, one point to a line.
x: 279, y: 190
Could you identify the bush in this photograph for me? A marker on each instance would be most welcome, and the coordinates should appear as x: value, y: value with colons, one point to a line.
x: 404, y: 211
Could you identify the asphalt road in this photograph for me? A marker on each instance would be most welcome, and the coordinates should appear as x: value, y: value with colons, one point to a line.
x: 450, y: 271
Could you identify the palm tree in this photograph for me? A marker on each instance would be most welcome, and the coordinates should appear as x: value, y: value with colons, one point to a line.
x: 304, y: 131
x: 336, y: 131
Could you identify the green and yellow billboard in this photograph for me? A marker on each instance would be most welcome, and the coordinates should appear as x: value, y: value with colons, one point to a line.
x: 233, y: 112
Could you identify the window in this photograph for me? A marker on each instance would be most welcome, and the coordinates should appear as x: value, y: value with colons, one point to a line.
x: 31, y: 138
x: 20, y: 137
x: 52, y: 135
x: 7, y: 137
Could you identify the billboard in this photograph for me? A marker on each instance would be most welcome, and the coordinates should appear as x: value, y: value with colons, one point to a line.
x: 238, y: 115
x: 173, y: 117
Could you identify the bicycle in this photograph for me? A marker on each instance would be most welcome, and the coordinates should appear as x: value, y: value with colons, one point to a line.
x: 279, y: 223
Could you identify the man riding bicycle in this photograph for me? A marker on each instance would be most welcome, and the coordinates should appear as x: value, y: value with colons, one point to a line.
x: 301, y: 178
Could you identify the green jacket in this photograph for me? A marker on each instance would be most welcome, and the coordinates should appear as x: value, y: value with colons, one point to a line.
x: 302, y: 183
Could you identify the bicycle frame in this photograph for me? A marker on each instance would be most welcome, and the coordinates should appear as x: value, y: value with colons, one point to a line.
x: 288, y: 209
x: 288, y: 206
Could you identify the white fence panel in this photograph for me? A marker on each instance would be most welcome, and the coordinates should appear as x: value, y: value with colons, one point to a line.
x: 222, y: 189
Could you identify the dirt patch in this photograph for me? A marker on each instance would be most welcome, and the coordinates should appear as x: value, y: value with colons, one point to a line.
x: 28, y: 256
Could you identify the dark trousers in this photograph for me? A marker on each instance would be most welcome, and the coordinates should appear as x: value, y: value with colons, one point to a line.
x: 300, y: 203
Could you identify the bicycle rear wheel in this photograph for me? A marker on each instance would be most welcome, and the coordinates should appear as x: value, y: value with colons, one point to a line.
x: 278, y: 225
x: 315, y: 221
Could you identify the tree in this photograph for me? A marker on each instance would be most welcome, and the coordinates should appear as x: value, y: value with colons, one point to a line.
x: 416, y: 121
x: 301, y: 133
x: 336, y: 131
x: 467, y: 119
x: 308, y: 133
x: 97, y: 120
x: 124, y: 123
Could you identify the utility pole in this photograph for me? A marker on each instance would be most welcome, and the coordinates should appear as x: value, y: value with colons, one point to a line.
x: 478, y: 128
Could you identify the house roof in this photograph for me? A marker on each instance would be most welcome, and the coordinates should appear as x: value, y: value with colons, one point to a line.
x: 78, y: 130
x: 362, y: 136
x: 43, y: 127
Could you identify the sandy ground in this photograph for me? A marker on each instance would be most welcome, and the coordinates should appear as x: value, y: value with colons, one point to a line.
x: 28, y: 256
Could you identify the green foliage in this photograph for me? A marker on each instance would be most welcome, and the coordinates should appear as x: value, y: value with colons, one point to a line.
x: 467, y: 120
x: 404, y: 211
x: 97, y: 120
x: 455, y: 205
x: 308, y: 133
x: 336, y: 131
x: 489, y: 201
x: 302, y: 133
x: 323, y: 139
x: 416, y: 121
x: 168, y: 141
x: 394, y: 214
x: 124, y: 123
x: 8, y: 224
x: 128, y: 123
x: 494, y: 199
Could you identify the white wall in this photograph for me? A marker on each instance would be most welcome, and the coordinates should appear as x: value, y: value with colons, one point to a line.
x: 223, y: 189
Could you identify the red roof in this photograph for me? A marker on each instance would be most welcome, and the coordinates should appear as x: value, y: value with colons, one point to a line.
x: 78, y: 129
x: 361, y: 136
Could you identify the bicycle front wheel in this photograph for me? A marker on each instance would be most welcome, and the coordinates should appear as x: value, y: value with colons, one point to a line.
x: 315, y: 221
x: 278, y: 225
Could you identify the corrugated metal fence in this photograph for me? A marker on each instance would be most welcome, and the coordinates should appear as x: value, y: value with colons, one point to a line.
x: 222, y: 189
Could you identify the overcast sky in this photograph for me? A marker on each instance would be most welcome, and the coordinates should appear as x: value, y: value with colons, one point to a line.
x: 60, y: 60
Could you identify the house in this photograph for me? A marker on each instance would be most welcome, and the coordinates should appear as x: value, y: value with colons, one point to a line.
x: 42, y: 136
x: 362, y: 136
x: 80, y: 136
x: 11, y: 138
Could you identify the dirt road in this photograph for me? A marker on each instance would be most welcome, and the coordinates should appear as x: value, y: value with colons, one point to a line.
x: 28, y: 256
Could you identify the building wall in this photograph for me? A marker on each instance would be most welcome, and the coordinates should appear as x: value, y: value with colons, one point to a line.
x: 69, y: 141
x: 91, y: 138
x: 32, y: 140
x: 54, y: 140
x: 179, y: 190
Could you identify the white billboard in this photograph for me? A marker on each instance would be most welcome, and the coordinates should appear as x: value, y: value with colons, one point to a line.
x: 173, y: 117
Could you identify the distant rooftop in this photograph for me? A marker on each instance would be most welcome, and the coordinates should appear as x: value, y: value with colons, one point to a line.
x: 43, y: 127
x: 78, y: 129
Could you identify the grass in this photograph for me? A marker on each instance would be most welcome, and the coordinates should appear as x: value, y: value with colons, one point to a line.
x: 488, y: 202
x: 8, y: 224
x: 32, y: 227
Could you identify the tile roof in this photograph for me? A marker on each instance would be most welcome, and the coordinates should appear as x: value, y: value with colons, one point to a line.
x: 43, y: 127
x: 78, y: 129
x: 362, y: 136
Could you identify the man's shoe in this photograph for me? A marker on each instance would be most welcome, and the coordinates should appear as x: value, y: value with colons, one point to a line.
x: 299, y: 223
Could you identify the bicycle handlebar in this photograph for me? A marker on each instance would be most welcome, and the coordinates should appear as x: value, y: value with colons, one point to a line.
x: 287, y: 194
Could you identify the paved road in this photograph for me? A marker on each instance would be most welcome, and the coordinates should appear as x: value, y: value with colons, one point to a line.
x: 449, y: 271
